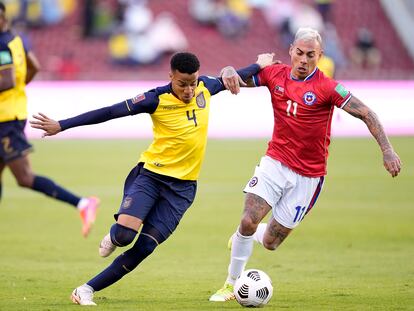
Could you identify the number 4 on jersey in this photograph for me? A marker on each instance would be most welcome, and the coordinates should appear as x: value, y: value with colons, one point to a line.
x: 193, y: 117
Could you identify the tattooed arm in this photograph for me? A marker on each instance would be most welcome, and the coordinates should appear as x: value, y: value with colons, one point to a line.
x: 357, y: 109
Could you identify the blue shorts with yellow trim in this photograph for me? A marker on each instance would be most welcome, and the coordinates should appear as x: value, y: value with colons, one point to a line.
x: 157, y: 200
x: 14, y: 143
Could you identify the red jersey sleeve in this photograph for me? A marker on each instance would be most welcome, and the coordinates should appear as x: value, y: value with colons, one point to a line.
x: 338, y: 94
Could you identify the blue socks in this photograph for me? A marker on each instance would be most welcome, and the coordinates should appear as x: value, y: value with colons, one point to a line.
x: 125, y: 262
x: 49, y: 188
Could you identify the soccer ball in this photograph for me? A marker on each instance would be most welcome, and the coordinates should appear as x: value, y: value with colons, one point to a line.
x: 253, y: 288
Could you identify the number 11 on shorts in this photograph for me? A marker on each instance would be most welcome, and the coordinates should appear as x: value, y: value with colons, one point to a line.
x: 300, y: 213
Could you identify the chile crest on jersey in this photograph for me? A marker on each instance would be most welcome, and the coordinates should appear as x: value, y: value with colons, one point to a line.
x: 309, y: 98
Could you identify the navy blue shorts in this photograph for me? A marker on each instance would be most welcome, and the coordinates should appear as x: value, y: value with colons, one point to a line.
x: 157, y: 200
x: 14, y: 143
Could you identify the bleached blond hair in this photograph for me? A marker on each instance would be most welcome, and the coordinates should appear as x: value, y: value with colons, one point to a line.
x: 307, y: 33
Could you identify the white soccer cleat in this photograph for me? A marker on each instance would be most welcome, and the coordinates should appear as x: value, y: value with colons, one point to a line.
x: 83, y: 295
x: 106, y: 247
x: 225, y: 293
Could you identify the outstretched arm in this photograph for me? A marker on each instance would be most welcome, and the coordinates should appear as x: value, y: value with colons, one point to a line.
x: 356, y: 108
x: 233, y: 79
x: 146, y: 102
x: 53, y: 127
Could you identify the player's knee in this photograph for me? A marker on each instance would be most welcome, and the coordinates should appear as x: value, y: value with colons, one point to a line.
x: 121, y: 235
x: 247, y: 225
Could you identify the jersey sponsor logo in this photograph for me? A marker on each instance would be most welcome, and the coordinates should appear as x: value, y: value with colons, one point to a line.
x: 5, y: 58
x: 309, y: 98
x: 341, y: 90
x: 138, y: 98
x: 279, y: 90
x: 158, y: 164
x: 253, y: 181
x: 200, y: 100
x: 170, y: 107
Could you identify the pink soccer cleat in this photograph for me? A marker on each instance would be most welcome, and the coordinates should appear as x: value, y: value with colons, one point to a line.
x: 88, y: 215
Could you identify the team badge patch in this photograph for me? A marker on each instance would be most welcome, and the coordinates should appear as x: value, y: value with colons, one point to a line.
x: 127, y: 202
x: 200, y: 100
x: 279, y: 90
x: 309, y: 98
x: 138, y: 98
x: 253, y: 181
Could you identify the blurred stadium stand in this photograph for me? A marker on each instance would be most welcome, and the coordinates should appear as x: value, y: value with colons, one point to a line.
x: 53, y: 41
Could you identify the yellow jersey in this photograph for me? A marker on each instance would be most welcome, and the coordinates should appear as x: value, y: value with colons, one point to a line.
x: 13, y: 102
x: 180, y: 130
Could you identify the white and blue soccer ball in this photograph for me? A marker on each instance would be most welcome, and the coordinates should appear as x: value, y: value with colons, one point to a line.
x: 253, y: 288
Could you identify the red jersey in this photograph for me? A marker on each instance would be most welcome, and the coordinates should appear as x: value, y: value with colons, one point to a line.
x: 302, y: 112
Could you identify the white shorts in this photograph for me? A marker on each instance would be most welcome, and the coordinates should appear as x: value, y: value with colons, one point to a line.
x: 290, y: 195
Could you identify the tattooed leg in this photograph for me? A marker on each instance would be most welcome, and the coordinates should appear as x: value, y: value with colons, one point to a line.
x: 255, y: 209
x: 275, y: 234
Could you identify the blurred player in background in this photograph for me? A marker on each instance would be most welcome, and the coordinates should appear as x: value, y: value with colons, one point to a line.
x: 291, y: 174
x: 327, y: 66
x: 162, y: 186
x: 18, y: 66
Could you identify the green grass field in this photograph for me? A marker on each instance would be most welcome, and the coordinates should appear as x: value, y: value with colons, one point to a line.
x: 355, y: 251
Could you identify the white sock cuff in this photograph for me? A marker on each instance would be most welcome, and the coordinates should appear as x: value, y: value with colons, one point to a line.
x: 244, y: 237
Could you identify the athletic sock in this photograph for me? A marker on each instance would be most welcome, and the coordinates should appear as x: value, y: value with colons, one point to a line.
x: 49, y: 188
x: 241, y: 250
x: 259, y: 234
x: 124, y: 263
